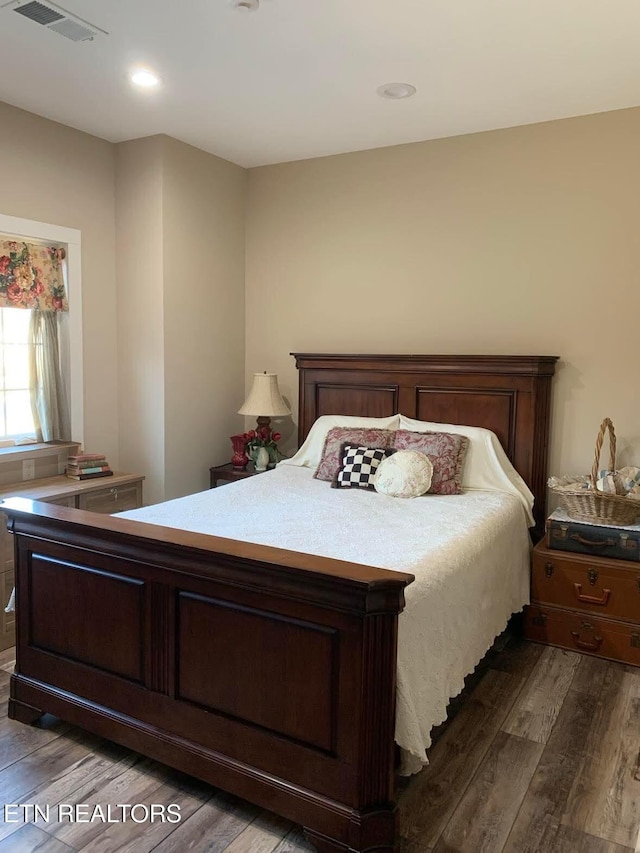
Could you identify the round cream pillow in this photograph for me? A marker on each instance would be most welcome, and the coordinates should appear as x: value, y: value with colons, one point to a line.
x: 404, y: 474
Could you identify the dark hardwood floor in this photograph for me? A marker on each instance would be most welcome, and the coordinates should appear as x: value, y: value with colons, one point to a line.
x: 542, y: 756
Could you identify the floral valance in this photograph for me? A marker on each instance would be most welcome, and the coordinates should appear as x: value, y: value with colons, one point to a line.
x: 31, y: 276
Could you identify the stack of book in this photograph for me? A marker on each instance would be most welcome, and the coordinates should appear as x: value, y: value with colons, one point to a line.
x: 86, y: 466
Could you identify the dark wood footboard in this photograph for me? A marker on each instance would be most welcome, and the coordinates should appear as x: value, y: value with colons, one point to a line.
x: 268, y: 673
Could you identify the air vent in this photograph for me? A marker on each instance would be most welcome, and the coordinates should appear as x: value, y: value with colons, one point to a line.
x: 39, y: 13
x: 56, y: 18
x: 69, y: 29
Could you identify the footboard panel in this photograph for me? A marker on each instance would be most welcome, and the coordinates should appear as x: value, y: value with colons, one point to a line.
x: 103, y: 615
x: 253, y: 650
x: 267, y: 673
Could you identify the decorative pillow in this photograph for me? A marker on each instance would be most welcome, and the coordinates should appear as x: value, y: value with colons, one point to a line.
x: 405, y: 474
x: 486, y: 465
x: 446, y: 451
x: 310, y: 454
x: 359, y: 465
x: 331, y: 459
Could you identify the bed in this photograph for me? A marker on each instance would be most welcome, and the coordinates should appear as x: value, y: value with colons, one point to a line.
x: 268, y: 672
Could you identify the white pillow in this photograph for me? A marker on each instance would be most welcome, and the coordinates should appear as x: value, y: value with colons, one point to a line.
x: 404, y: 474
x: 310, y: 453
x: 486, y: 464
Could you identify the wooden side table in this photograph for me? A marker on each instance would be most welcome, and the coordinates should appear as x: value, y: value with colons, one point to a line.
x: 228, y: 474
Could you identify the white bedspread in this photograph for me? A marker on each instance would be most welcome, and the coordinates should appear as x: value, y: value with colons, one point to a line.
x: 469, y: 554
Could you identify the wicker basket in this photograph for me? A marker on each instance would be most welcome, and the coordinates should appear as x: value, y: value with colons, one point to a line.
x: 593, y: 505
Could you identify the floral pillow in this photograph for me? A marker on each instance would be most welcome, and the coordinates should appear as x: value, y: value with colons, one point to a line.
x: 331, y: 460
x: 447, y: 454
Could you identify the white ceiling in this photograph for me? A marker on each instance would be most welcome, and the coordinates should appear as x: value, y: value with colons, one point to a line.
x: 298, y: 78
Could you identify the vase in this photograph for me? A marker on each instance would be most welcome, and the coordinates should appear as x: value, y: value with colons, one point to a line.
x: 262, y: 458
x: 239, y: 458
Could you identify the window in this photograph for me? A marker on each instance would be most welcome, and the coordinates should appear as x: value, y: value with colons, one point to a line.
x: 70, y: 323
x: 32, y: 388
x: 16, y: 418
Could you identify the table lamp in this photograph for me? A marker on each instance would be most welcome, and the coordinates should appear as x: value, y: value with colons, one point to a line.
x: 264, y: 400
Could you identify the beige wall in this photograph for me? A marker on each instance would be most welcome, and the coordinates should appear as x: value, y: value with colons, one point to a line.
x: 516, y: 241
x: 180, y: 241
x: 203, y: 238
x: 141, y: 402
x: 52, y: 173
x: 522, y: 240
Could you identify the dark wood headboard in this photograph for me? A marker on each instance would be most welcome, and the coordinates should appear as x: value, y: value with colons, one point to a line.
x: 509, y: 394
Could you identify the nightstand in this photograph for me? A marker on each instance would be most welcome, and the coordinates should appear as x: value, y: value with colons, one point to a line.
x: 228, y: 474
x: 585, y: 603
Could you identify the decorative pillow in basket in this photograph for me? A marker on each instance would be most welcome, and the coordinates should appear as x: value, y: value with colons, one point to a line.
x: 603, y: 498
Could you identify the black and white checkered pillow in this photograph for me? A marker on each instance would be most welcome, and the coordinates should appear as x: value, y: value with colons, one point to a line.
x: 358, y: 466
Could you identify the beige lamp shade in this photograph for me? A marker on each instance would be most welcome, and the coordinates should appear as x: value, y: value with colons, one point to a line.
x: 265, y: 398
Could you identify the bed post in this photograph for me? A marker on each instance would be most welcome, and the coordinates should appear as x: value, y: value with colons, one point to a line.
x: 373, y: 824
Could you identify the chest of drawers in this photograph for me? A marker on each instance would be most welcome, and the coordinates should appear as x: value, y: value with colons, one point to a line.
x: 588, y: 604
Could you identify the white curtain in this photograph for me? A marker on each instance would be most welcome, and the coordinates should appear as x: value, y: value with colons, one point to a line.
x: 48, y: 398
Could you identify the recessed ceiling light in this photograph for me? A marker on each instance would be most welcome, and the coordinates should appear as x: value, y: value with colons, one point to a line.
x: 144, y: 78
x: 395, y: 91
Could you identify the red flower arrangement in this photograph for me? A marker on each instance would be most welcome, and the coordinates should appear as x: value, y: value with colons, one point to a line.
x: 263, y: 437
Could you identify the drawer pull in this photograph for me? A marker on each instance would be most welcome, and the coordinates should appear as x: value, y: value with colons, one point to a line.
x: 592, y: 599
x: 593, y: 543
x: 548, y: 569
x: 583, y: 644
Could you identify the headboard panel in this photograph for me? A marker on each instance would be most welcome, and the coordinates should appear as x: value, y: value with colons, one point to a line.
x: 507, y: 394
